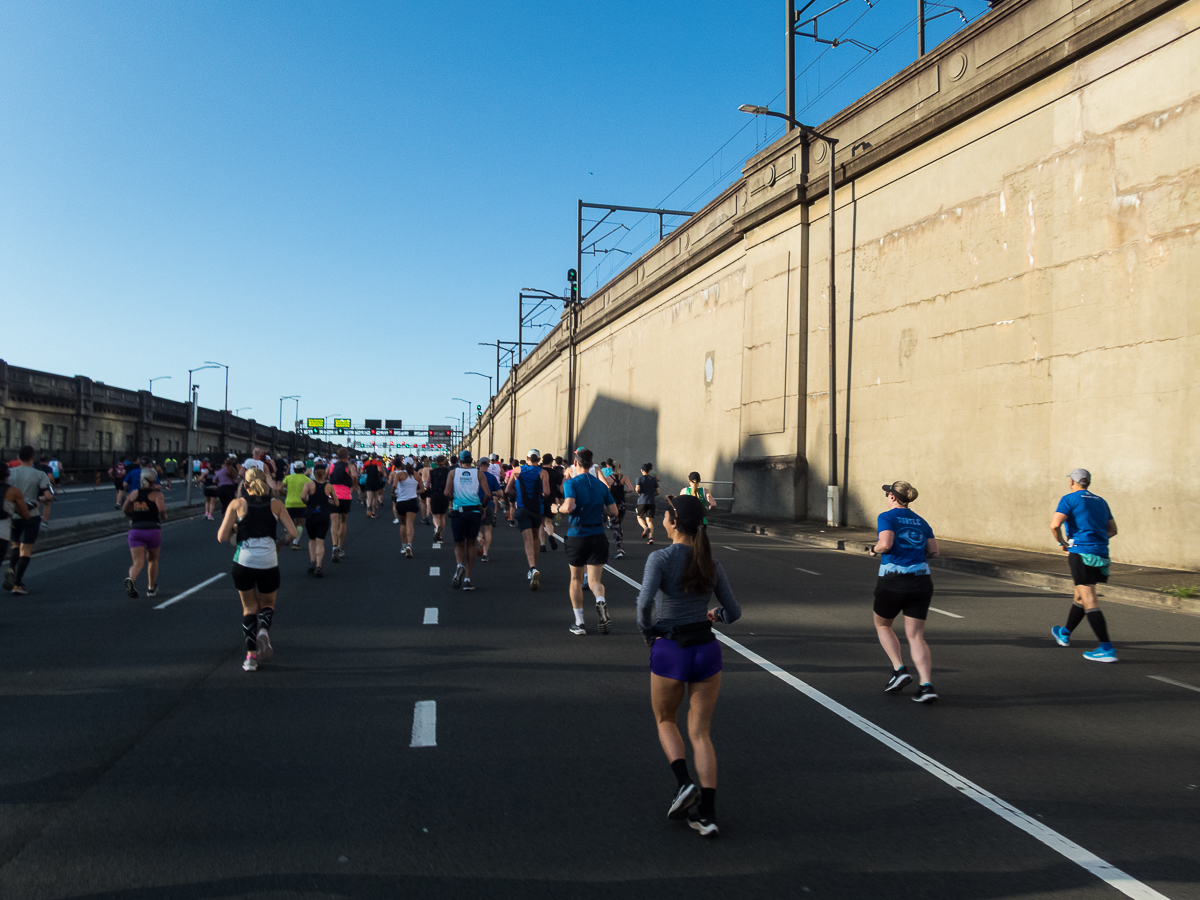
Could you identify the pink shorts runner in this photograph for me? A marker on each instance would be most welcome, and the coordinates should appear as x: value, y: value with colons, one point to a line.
x: 342, y: 491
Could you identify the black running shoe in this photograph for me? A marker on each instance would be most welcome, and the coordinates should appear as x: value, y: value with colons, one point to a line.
x: 460, y: 572
x: 129, y: 588
x: 553, y: 542
x: 898, y: 682
x: 10, y: 578
x: 925, y: 694
x: 705, y: 825
x: 685, y: 798
x: 319, y: 573
x: 605, y: 618
x: 312, y: 567
x: 467, y: 586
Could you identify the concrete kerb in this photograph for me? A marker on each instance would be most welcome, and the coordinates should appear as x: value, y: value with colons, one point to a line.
x: 114, y: 523
x: 1059, y: 583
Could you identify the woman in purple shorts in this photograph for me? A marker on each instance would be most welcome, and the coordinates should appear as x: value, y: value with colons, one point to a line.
x: 675, y: 620
x: 147, y: 510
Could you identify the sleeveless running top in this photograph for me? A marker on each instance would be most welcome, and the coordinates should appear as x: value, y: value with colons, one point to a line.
x: 143, y: 512
x: 318, y: 503
x: 466, y: 488
x: 437, y: 479
x: 339, y: 477
x: 406, y: 489
x: 617, y: 489
x: 529, y: 488
x: 256, y: 535
x: 374, y: 479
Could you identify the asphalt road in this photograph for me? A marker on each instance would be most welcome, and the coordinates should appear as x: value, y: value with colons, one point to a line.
x: 139, y: 761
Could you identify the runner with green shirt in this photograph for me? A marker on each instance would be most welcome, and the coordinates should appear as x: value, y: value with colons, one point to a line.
x: 1090, y: 525
x: 693, y: 489
x: 294, y: 484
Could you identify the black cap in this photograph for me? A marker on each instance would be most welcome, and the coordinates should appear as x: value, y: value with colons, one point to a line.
x: 689, y: 512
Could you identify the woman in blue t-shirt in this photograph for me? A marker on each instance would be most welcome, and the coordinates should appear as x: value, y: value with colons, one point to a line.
x: 904, y: 586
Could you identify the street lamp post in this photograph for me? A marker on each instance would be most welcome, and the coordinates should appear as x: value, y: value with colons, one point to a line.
x: 511, y: 348
x: 240, y: 408
x: 295, y: 397
x: 191, y: 422
x: 834, y: 504
x: 492, y: 417
x: 159, y: 378
x: 226, y: 368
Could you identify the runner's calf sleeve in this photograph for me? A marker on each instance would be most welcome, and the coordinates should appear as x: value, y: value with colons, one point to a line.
x: 264, y: 618
x: 250, y: 629
x: 14, y: 556
x: 679, y: 767
x: 1096, y: 619
x: 22, y: 565
x: 1074, y: 617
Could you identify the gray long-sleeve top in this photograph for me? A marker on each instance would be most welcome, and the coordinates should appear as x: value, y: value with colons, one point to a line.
x: 662, y: 603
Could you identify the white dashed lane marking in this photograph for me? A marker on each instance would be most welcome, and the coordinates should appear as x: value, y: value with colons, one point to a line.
x: 430, y: 615
x: 1182, y: 684
x: 944, y: 613
x: 189, y: 591
x: 424, y: 732
x: 435, y: 570
x: 807, y: 571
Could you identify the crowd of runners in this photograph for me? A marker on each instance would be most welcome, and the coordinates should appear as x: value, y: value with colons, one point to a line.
x: 268, y: 505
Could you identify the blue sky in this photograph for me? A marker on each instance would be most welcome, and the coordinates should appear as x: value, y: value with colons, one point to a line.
x: 339, y: 200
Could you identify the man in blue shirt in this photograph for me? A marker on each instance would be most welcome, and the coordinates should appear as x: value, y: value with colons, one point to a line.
x: 1089, y: 525
x: 588, y: 501
x: 483, y: 543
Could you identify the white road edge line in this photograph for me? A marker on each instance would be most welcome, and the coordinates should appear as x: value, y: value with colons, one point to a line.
x: 944, y: 613
x: 734, y: 549
x: 430, y: 615
x: 435, y: 570
x: 424, y: 733
x: 1182, y: 684
x: 189, y: 591
x: 809, y: 571
x: 623, y: 576
x: 1106, y: 872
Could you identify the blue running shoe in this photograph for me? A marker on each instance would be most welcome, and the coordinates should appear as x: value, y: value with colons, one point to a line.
x: 1099, y: 655
x: 1062, y: 637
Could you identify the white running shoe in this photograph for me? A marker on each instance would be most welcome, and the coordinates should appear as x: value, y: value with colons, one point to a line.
x: 535, y: 579
x: 251, y: 663
x: 578, y: 629
x: 395, y: 521
x: 408, y: 551
x: 265, y: 651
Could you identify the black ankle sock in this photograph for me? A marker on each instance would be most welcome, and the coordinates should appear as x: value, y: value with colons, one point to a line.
x: 902, y: 668
x: 679, y: 767
x: 708, y: 802
x: 1074, y: 617
x: 1096, y: 620
x: 250, y: 629
x: 264, y: 618
x: 22, y: 565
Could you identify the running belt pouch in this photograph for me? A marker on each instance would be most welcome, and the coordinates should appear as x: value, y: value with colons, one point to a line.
x: 692, y: 634
x: 455, y: 513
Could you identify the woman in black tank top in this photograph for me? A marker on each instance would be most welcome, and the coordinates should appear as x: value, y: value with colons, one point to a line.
x: 147, y: 510
x: 320, y: 503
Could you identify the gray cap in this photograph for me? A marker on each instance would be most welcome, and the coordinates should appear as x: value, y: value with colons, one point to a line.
x: 1081, y: 476
x: 533, y: 453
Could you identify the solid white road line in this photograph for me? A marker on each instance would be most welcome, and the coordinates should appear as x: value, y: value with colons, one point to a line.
x: 734, y: 549
x: 189, y: 591
x: 430, y: 615
x: 424, y: 733
x: 1182, y: 684
x: 1123, y: 882
x: 944, y: 613
x: 435, y: 570
x: 1126, y: 884
x: 623, y: 576
x: 809, y: 571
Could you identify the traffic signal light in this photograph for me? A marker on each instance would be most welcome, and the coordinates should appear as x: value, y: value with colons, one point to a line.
x: 391, y: 431
x: 478, y: 410
x: 372, y: 430
x: 572, y: 276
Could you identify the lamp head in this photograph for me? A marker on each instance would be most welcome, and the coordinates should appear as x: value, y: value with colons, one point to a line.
x: 753, y: 110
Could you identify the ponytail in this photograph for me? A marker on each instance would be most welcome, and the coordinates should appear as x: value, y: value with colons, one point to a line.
x: 700, y: 571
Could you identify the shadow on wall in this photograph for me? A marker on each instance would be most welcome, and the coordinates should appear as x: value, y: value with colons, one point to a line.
x: 621, y: 430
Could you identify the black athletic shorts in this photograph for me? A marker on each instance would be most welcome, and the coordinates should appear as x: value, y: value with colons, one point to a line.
x: 265, y: 581
x: 489, y: 515
x: 526, y: 520
x: 646, y: 509
x: 210, y: 492
x: 465, y: 525
x: 438, y: 504
x: 412, y: 505
x: 297, y: 513
x: 908, y: 594
x: 317, y: 527
x: 589, y: 550
x: 344, y: 506
x: 1080, y: 571
x: 25, y: 531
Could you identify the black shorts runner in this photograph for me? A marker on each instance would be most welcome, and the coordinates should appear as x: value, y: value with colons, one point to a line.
x: 588, y: 550
x: 412, y: 505
x: 526, y: 520
x: 464, y: 524
x: 344, y: 506
x: 1081, y: 572
x: 438, y: 504
x: 899, y: 593
x: 297, y: 513
x: 317, y: 527
x: 265, y: 581
x: 25, y: 531
x: 646, y: 509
